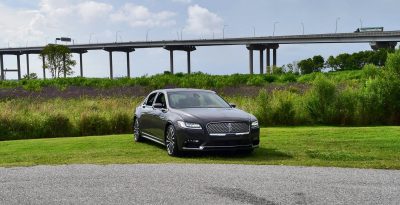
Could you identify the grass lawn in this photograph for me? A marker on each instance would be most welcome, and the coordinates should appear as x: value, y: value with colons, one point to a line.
x: 363, y: 147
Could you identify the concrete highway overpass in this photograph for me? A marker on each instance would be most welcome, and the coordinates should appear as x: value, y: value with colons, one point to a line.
x: 385, y: 39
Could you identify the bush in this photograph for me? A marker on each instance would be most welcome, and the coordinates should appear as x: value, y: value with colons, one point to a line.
x: 121, y: 123
x: 93, y: 124
x: 57, y: 126
x: 320, y: 100
x: 370, y: 71
x: 345, y: 106
x: 263, y: 110
x: 282, y: 107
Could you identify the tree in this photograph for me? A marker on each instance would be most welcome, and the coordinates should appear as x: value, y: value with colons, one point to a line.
x: 306, y: 66
x: 318, y: 63
x: 58, y: 59
x: 310, y: 65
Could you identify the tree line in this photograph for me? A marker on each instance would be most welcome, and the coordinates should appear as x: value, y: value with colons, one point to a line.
x: 344, y: 61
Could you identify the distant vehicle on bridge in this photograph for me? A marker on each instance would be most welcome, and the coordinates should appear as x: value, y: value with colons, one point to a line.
x: 369, y: 29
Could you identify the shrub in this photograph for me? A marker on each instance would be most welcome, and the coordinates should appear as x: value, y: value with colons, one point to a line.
x: 93, y: 124
x: 256, y: 80
x: 320, y: 99
x: 282, y: 107
x: 57, y: 126
x: 121, y: 123
x: 370, y: 71
x: 263, y: 110
x: 345, y: 106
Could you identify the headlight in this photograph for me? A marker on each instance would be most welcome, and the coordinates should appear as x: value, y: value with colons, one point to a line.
x: 254, y: 124
x: 189, y: 125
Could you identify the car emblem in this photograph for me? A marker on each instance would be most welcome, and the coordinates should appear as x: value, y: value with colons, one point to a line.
x: 229, y: 127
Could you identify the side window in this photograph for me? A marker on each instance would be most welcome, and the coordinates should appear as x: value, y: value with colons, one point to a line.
x: 161, y: 99
x: 150, y: 99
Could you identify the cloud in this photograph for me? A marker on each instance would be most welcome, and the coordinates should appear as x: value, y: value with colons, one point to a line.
x: 201, y: 21
x: 141, y: 16
x: 182, y: 1
x: 91, y: 10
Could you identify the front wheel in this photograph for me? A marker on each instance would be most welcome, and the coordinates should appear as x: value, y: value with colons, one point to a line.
x: 170, y: 141
x: 137, y: 136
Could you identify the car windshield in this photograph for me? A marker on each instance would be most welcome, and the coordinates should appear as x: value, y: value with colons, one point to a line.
x: 195, y: 99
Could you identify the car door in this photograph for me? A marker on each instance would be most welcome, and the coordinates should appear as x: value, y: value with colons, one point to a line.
x: 160, y: 117
x: 146, y: 117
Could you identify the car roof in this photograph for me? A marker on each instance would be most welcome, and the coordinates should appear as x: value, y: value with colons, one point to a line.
x: 182, y: 89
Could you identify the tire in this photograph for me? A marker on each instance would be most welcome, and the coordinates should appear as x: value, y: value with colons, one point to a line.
x: 170, y: 142
x: 137, y: 135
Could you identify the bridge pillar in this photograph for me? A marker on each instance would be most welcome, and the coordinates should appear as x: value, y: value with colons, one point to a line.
x: 188, y: 49
x: 111, y: 64
x: 19, y: 66
x: 44, y: 66
x: 127, y: 50
x: 251, y: 61
x: 274, y: 57
x: 27, y: 64
x: 1, y: 68
x: 128, y: 65
x: 260, y: 48
x: 80, y: 64
x: 171, y: 61
x: 261, y: 61
x: 188, y: 62
x: 268, y: 51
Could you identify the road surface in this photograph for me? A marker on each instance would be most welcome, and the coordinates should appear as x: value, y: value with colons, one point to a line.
x: 197, y: 184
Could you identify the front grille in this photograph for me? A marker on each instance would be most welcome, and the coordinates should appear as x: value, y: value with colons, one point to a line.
x: 228, y: 127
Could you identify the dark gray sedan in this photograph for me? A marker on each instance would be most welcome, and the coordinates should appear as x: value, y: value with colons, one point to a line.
x: 193, y: 119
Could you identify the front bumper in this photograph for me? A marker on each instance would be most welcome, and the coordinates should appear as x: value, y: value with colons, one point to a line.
x: 200, y: 140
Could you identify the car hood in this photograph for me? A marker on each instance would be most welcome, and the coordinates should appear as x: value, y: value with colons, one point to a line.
x: 213, y: 114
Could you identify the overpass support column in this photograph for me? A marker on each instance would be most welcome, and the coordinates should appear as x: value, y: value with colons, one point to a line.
x: 1, y: 68
x: 27, y: 64
x: 251, y: 61
x: 171, y: 61
x: 81, y: 64
x: 111, y: 64
x: 19, y: 66
x: 44, y: 66
x: 171, y: 50
x: 268, y: 61
x: 274, y: 57
x: 188, y: 62
x: 128, y: 65
x: 261, y: 61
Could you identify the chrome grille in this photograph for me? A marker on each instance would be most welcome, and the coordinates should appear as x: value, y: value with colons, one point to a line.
x: 228, y: 127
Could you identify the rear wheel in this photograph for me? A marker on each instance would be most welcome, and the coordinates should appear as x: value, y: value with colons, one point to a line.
x: 170, y: 141
x: 136, y: 131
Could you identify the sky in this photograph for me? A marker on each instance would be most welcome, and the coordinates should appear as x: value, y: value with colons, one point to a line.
x: 38, y: 22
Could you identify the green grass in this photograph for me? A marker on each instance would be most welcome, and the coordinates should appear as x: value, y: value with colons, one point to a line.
x: 362, y: 147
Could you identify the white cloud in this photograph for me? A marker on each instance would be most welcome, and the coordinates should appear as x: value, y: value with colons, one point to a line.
x: 91, y: 10
x: 201, y: 21
x: 141, y: 16
x: 183, y: 1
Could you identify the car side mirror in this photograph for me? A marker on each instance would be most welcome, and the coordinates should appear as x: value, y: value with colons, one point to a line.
x: 232, y: 105
x: 158, y: 105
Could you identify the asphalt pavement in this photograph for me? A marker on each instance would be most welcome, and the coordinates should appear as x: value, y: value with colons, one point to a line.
x: 197, y: 184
